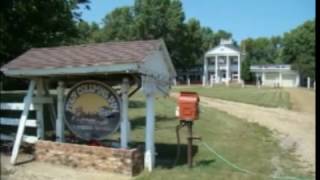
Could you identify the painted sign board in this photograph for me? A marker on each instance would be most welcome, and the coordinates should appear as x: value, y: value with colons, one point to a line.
x: 92, y: 110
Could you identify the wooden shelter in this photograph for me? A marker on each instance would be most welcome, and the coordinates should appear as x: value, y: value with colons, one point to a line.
x: 144, y: 64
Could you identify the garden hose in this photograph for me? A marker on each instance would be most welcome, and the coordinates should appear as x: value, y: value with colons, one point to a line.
x: 234, y: 166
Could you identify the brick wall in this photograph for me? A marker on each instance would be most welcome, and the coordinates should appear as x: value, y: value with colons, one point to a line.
x: 123, y: 161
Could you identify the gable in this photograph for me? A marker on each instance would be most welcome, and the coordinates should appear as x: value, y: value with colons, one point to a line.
x: 222, y: 50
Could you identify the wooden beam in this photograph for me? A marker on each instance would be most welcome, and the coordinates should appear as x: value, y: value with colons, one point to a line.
x: 71, y: 70
x: 15, y: 106
x: 39, y: 109
x: 25, y: 138
x: 22, y: 122
x: 15, y: 122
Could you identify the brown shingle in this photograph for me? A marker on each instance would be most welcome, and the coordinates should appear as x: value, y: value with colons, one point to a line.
x: 84, y: 55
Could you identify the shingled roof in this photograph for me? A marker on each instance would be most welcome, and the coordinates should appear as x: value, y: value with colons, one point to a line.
x: 84, y: 55
x: 87, y: 55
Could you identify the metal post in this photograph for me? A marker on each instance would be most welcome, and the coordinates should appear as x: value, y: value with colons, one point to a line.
x: 60, y: 114
x: 190, y: 144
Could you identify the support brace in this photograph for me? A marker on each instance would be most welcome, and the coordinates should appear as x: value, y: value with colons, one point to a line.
x: 22, y: 122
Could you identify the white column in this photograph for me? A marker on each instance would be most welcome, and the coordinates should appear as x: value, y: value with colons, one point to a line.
x: 257, y: 80
x: 203, y: 80
x: 308, y: 82
x: 175, y: 81
x: 22, y: 122
x: 280, y: 79
x: 60, y: 113
x: 239, y: 69
x: 124, y: 127
x: 216, y: 69
x: 205, y: 70
x: 211, y: 80
x: 188, y: 80
x: 297, y: 80
x: 149, y: 156
x: 263, y: 78
x: 39, y: 106
x: 227, y: 70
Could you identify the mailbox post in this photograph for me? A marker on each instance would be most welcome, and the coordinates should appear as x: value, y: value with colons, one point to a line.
x: 187, y: 112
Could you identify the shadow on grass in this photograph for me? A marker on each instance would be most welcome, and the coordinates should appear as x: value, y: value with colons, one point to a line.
x: 167, y: 155
x: 136, y: 104
x: 205, y: 162
x: 140, y: 122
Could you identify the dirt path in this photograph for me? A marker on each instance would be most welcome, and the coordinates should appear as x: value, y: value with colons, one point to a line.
x: 39, y: 171
x: 303, y: 100
x: 295, y: 129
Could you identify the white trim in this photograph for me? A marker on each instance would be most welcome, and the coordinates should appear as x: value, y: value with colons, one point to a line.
x: 15, y: 106
x: 25, y: 138
x: 15, y: 122
x: 168, y: 59
x: 112, y: 68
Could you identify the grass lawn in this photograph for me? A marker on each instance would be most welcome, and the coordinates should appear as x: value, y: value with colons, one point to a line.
x: 268, y: 97
x: 248, y: 145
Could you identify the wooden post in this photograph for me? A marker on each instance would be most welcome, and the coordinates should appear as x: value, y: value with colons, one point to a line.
x: 60, y: 113
x: 149, y: 156
x: 124, y: 114
x: 22, y: 122
x: 39, y: 106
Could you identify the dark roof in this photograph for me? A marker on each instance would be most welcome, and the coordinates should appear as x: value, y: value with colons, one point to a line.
x: 84, y: 55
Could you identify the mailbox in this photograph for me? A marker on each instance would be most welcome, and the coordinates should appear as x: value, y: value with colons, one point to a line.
x: 188, y: 106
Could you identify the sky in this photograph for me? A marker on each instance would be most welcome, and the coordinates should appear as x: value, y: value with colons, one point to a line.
x: 243, y: 18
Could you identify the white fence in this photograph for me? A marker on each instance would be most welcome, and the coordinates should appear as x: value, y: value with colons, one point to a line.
x: 9, y: 121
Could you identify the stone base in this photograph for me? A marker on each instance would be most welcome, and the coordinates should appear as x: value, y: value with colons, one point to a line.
x: 123, y: 161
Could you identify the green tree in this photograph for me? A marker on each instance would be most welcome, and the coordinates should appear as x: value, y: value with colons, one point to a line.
x: 246, y: 75
x: 36, y: 23
x: 299, y: 48
x: 118, y: 25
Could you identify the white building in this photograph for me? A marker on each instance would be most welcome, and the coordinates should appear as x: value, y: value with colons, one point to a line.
x: 276, y: 75
x: 222, y: 64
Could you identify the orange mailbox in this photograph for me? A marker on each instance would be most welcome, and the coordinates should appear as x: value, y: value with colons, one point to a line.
x: 188, y: 109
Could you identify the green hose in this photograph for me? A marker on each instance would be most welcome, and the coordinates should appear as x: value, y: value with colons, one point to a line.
x: 245, y: 170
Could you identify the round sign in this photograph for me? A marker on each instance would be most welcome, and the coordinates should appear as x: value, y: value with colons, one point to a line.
x: 92, y: 110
